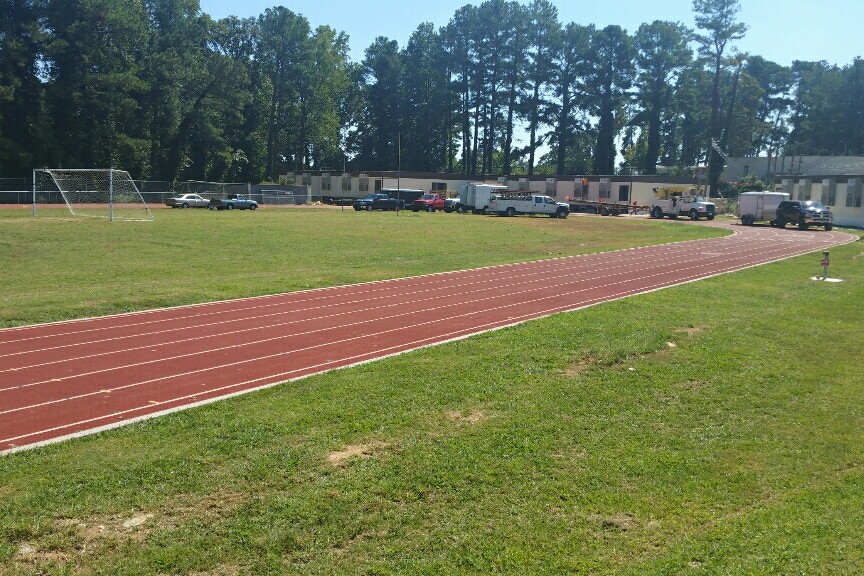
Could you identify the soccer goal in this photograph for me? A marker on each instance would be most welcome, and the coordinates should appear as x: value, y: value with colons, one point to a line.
x: 94, y: 193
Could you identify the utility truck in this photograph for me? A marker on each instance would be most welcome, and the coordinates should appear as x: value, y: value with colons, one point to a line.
x: 756, y: 206
x: 529, y: 204
x: 670, y: 203
x: 476, y: 197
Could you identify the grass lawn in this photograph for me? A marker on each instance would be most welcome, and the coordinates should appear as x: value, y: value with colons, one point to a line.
x: 64, y: 267
x: 712, y: 428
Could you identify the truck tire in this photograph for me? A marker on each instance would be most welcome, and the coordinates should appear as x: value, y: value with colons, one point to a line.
x: 510, y: 212
x: 604, y: 211
x: 802, y: 225
x: 829, y: 227
x: 562, y: 213
x: 229, y: 207
x: 460, y: 208
x: 780, y: 223
x: 694, y: 215
x: 368, y: 207
x: 657, y: 213
x: 184, y: 205
x: 430, y: 208
x: 253, y: 207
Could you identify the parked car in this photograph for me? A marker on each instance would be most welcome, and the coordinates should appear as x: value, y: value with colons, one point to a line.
x: 233, y: 201
x: 428, y: 202
x: 187, y: 201
x: 378, y: 201
x: 804, y: 213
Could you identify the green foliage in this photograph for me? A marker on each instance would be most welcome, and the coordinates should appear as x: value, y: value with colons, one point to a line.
x: 166, y: 92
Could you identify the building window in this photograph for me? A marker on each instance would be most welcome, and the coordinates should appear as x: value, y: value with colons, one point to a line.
x: 307, y: 179
x: 829, y: 192
x: 551, y: 186
x: 853, y: 193
x: 346, y: 182
x: 804, y: 188
x: 605, y: 187
x: 364, y: 183
x: 523, y: 184
x: 624, y: 193
x: 439, y: 186
x: 325, y: 182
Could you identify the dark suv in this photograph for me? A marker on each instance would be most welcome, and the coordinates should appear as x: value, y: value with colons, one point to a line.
x: 804, y: 213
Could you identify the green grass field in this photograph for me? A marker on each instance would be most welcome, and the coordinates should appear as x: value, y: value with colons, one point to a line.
x: 712, y: 428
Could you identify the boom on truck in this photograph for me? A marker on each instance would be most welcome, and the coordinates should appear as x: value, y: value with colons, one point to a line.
x: 673, y: 203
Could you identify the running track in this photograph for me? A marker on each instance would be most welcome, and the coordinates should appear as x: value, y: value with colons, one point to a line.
x: 71, y: 378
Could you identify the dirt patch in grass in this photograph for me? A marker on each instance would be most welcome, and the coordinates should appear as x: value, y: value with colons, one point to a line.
x: 691, y: 330
x: 621, y: 522
x: 222, y: 570
x: 208, y: 507
x: 470, y: 417
x: 579, y: 367
x: 692, y: 384
x: 352, y: 451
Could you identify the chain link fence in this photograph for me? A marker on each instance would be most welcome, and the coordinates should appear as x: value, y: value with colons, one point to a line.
x: 19, y: 191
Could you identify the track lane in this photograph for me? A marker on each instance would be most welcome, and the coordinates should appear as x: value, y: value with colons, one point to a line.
x: 70, y: 377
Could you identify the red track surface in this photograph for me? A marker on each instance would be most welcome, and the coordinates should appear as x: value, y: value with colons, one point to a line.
x: 71, y: 378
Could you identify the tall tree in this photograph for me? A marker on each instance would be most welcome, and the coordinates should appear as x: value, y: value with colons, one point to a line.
x: 569, y: 87
x: 428, y: 115
x: 661, y: 54
x: 612, y: 76
x: 717, y: 20
x: 22, y: 127
x: 284, y: 53
x: 775, y: 104
x: 460, y: 44
x: 382, y: 78
x: 92, y: 59
x: 544, y: 42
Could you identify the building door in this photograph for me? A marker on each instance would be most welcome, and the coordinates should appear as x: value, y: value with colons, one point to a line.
x: 624, y: 193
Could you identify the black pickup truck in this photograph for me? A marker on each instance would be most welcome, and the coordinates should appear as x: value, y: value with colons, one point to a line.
x: 233, y: 201
x: 378, y: 201
x: 804, y: 213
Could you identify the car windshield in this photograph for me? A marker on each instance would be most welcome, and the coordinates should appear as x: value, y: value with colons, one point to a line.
x: 428, y: 197
x: 370, y: 197
x: 812, y: 204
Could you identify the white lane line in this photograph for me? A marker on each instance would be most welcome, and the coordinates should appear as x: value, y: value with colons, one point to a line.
x: 847, y: 239
x: 570, y: 280
x: 485, y: 311
x: 542, y: 267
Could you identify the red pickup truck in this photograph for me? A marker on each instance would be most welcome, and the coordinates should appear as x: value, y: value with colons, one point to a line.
x: 428, y: 202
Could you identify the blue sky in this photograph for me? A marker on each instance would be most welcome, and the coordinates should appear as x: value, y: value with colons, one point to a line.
x: 780, y: 30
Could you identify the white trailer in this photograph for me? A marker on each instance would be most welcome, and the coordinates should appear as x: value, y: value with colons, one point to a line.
x: 476, y: 197
x: 756, y: 206
x: 533, y: 204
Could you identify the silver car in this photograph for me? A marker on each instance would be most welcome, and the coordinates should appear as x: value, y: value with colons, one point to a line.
x: 187, y: 201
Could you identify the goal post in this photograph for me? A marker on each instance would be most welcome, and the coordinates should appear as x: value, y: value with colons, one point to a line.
x: 96, y: 193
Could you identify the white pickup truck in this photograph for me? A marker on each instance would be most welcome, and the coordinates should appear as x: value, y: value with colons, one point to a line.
x: 533, y: 204
x: 694, y: 207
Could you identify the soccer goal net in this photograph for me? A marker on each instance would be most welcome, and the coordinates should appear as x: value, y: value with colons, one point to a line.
x: 108, y: 193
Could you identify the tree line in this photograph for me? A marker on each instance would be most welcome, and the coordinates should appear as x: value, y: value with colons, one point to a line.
x: 161, y: 89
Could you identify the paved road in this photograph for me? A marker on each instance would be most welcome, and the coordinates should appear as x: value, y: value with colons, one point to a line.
x: 71, y: 378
